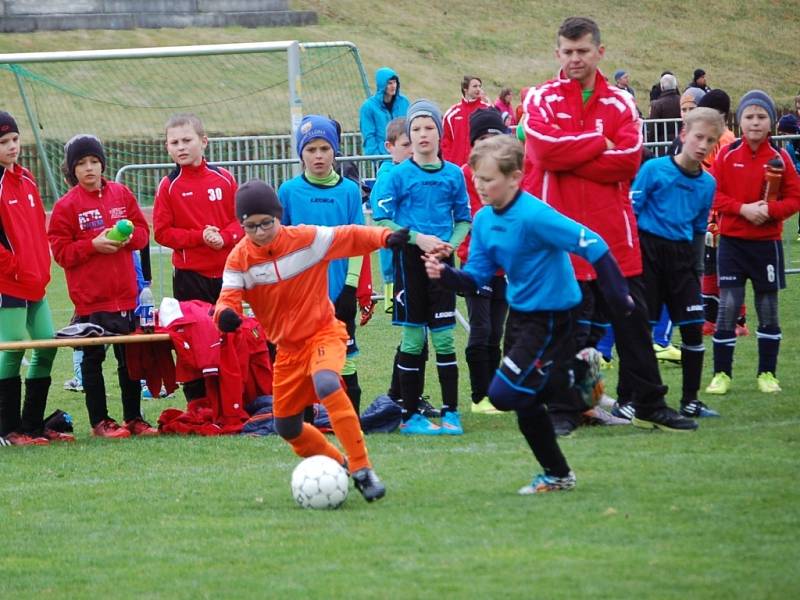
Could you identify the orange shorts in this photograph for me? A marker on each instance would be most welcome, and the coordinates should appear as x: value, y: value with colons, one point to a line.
x: 293, y: 388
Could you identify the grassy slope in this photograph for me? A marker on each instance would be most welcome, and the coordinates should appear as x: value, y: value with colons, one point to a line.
x: 740, y: 44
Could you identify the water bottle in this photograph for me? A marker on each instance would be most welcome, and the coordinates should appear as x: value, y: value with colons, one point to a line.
x: 147, y: 320
x: 773, y: 174
x: 121, y: 231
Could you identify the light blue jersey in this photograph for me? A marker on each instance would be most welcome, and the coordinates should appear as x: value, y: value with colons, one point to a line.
x: 305, y: 203
x: 425, y: 201
x: 670, y: 202
x: 531, y: 242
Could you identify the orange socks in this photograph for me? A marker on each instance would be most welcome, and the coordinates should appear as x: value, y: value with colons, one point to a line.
x: 347, y: 428
x: 311, y: 442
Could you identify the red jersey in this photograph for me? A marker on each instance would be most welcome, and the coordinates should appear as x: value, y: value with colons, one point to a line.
x: 569, y: 166
x: 189, y: 199
x: 24, y: 253
x: 286, y: 281
x: 740, y: 180
x: 97, y: 282
x: 455, y: 130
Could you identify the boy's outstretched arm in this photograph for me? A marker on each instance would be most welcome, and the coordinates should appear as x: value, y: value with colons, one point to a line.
x: 613, y: 284
x: 453, y: 279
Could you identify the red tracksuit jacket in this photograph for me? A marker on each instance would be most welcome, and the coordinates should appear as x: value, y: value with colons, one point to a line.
x: 455, y: 130
x: 189, y: 199
x: 97, y: 282
x: 568, y: 165
x: 740, y: 179
x: 24, y: 253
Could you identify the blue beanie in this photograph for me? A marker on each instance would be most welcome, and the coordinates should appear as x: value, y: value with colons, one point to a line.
x: 757, y: 98
x: 618, y: 74
x: 423, y: 108
x: 316, y: 126
x: 788, y: 124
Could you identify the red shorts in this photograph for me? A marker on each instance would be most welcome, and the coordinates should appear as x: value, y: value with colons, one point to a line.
x: 293, y: 387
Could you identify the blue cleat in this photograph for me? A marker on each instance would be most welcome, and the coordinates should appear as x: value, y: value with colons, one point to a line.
x: 451, y: 424
x: 697, y: 409
x: 547, y: 483
x: 419, y: 425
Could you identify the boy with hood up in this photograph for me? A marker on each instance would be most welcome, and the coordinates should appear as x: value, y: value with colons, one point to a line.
x: 386, y: 104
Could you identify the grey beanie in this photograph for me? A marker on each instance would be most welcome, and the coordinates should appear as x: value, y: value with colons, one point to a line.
x: 757, y: 98
x: 423, y: 108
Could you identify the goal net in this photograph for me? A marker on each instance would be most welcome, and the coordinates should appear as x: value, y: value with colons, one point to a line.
x: 247, y: 95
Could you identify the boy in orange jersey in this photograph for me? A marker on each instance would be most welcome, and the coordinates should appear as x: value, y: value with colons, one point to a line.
x: 282, y: 272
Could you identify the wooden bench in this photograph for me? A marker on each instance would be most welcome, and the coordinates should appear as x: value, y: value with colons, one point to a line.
x: 135, y: 338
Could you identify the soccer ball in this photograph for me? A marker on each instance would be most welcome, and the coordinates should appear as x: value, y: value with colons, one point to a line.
x: 319, y: 482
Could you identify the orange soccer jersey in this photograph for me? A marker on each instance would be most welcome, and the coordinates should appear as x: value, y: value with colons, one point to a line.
x: 286, y: 281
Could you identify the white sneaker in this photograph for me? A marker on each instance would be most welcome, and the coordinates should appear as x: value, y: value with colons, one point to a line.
x: 73, y: 385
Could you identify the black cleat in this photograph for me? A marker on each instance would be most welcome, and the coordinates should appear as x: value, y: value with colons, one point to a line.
x: 367, y: 482
x: 427, y: 409
x: 664, y: 418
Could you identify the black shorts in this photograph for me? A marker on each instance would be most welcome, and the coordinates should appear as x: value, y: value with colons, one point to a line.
x: 670, y: 278
x: 538, y: 350
x: 418, y: 300
x: 759, y: 261
x: 7, y: 301
x: 190, y: 285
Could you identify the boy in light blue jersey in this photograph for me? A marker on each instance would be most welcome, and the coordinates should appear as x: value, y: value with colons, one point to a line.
x: 320, y: 196
x: 531, y: 242
x: 672, y: 197
x: 427, y: 195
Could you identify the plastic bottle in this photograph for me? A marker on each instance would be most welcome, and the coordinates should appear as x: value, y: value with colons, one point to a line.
x: 147, y: 320
x: 121, y: 231
x: 773, y: 174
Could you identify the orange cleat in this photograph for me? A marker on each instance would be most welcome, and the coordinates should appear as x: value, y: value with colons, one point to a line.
x: 141, y: 428
x: 109, y: 428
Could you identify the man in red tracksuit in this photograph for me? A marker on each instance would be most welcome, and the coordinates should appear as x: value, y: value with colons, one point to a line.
x: 583, y: 147
x: 455, y: 123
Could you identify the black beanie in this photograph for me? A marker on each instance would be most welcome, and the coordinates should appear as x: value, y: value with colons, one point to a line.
x: 483, y: 121
x: 698, y: 73
x: 7, y: 124
x: 718, y: 100
x: 257, y: 198
x: 80, y: 146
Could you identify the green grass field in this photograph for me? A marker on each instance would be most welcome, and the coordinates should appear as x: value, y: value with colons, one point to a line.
x: 711, y: 514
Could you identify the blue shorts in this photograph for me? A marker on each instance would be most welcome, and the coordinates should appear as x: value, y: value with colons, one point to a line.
x: 759, y: 261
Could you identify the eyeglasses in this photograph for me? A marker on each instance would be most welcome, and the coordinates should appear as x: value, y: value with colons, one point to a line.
x: 265, y: 225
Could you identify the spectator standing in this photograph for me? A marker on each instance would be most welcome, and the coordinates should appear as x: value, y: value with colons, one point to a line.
x: 666, y: 106
x: 750, y: 230
x: 699, y: 80
x: 455, y: 145
x: 584, y: 171
x: 386, y: 104
x: 504, y: 106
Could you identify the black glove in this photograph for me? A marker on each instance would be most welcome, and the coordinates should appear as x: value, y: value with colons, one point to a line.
x: 346, y: 304
x: 229, y: 321
x: 398, y: 239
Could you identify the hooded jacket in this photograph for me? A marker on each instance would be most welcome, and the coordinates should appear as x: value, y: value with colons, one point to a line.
x: 375, y: 116
x: 24, y: 253
x: 97, y: 282
x: 568, y: 165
